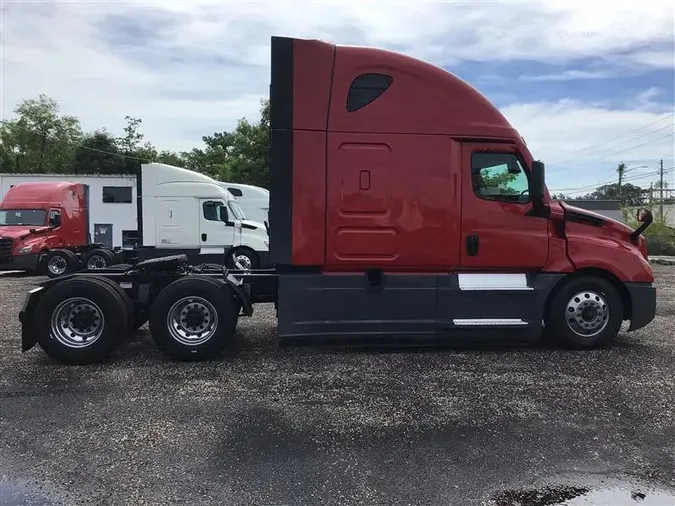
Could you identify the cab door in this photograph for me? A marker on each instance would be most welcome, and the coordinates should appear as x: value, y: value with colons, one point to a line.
x: 215, y: 235
x: 500, y: 229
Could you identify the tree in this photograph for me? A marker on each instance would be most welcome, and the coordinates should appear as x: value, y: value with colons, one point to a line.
x: 630, y: 195
x: 249, y: 155
x: 98, y: 154
x: 40, y: 140
x: 240, y: 156
x: 171, y: 158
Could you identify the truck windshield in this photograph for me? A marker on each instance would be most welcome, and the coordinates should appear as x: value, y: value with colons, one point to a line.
x: 18, y: 217
x: 236, y: 210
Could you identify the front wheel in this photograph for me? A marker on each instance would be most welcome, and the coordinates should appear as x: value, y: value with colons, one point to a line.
x: 243, y: 259
x: 59, y: 262
x: 587, y: 312
x: 194, y: 318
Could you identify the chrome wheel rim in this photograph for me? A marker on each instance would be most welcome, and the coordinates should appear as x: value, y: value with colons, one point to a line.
x: 96, y: 262
x: 243, y: 262
x: 77, y: 322
x: 57, y: 265
x: 587, y: 313
x: 192, y: 321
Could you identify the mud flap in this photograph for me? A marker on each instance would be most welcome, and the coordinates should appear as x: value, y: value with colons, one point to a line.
x: 26, y: 315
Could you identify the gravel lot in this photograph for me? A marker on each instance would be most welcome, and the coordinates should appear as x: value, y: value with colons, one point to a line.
x: 306, y: 426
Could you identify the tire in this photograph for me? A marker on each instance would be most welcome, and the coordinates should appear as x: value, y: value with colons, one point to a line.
x: 128, y: 304
x: 246, y: 256
x: 106, y: 319
x: 206, y: 297
x: 99, y: 259
x: 59, y: 262
x: 586, y: 313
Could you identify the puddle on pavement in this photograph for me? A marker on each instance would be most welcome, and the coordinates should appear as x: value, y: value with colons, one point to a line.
x: 15, y: 495
x: 629, y: 495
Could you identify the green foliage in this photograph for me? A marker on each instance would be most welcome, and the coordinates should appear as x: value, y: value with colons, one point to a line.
x: 240, y: 156
x: 41, y: 140
x: 97, y: 154
x: 630, y: 195
x: 500, y: 180
x: 659, y: 236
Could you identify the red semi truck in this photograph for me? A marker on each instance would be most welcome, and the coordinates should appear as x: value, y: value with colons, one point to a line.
x: 402, y: 204
x: 44, y: 228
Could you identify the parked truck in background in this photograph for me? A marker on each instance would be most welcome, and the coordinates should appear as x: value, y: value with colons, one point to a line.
x: 184, y: 212
x: 253, y: 200
x: 45, y: 226
x: 402, y: 204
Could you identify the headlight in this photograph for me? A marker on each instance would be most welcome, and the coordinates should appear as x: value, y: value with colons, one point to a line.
x: 25, y: 249
x: 267, y: 244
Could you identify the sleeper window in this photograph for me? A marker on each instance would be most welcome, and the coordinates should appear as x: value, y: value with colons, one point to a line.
x: 500, y: 177
x: 365, y: 89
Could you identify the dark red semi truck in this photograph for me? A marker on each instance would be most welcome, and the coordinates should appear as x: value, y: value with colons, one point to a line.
x: 44, y: 228
x: 402, y: 204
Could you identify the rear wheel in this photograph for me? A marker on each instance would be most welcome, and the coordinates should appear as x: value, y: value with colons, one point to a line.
x: 586, y: 312
x: 132, y: 316
x: 80, y: 321
x: 194, y: 318
x: 100, y: 259
x: 59, y: 262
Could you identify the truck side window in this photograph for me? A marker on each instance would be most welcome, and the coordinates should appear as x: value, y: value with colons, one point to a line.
x: 54, y: 218
x: 210, y: 210
x: 500, y: 177
x: 235, y: 191
x: 365, y: 89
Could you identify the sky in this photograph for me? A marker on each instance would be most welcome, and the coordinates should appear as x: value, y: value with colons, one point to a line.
x: 587, y: 84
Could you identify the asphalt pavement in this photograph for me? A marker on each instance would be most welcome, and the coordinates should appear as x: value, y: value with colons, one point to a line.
x: 533, y: 425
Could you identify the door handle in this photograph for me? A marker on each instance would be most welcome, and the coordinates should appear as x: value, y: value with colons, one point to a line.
x: 472, y: 245
x: 203, y: 237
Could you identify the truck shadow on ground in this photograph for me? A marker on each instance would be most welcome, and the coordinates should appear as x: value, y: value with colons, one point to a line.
x: 141, y: 348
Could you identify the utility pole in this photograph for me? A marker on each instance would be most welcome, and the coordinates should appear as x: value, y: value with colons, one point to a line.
x: 651, y: 195
x: 661, y: 187
x: 620, y: 170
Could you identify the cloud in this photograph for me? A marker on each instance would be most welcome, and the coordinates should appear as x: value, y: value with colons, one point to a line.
x: 192, y: 68
x: 583, y: 144
x: 567, y: 75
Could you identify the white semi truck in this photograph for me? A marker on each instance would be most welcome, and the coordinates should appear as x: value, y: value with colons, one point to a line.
x: 180, y: 211
x: 254, y: 200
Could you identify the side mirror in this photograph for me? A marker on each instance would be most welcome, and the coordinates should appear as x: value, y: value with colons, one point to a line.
x: 644, y: 215
x: 55, y: 221
x: 513, y: 167
x: 225, y: 216
x: 538, y: 182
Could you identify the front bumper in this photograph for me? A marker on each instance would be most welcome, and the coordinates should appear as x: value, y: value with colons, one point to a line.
x: 643, y: 302
x: 22, y: 263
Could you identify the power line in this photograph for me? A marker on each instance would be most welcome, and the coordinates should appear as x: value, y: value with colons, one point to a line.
x: 611, y: 179
x: 633, y: 139
x: 65, y: 141
x: 618, y: 136
x: 606, y: 157
x: 597, y: 185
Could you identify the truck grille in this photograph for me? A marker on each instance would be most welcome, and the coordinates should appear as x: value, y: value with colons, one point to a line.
x: 5, y: 249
